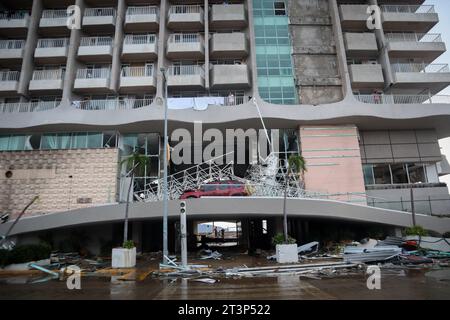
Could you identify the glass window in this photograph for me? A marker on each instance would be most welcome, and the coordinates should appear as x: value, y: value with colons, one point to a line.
x: 382, y: 174
x: 417, y: 173
x: 368, y: 174
x: 79, y: 140
x: 280, y: 9
x: 94, y: 140
x: 49, y: 141
x: 399, y: 174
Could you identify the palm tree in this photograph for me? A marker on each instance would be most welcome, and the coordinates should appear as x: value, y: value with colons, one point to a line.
x: 297, y: 165
x: 135, y: 166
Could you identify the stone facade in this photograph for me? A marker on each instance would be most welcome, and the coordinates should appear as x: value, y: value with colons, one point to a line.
x: 63, y: 179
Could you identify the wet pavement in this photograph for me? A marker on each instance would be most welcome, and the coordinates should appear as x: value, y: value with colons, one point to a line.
x: 395, y: 284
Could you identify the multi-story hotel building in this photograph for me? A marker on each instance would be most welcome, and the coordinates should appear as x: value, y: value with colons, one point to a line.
x: 361, y: 104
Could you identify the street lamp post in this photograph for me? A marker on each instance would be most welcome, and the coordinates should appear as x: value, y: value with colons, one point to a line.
x: 165, y: 195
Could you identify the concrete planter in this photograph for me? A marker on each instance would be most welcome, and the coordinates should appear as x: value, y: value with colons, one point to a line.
x: 123, y: 258
x: 286, y: 253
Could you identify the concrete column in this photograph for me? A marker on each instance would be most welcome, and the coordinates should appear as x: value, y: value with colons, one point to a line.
x: 117, y: 46
x: 206, y: 30
x: 252, y: 46
x: 340, y: 50
x: 385, y: 60
x: 162, y: 38
x: 30, y: 46
x: 72, y: 62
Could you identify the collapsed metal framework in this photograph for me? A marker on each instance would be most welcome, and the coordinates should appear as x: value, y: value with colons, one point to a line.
x: 266, y: 179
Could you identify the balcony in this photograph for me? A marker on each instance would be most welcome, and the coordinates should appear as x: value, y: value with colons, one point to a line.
x: 11, y: 51
x: 111, y: 104
x: 13, y: 107
x: 409, y: 17
x: 366, y: 76
x: 354, y: 16
x: 420, y: 76
x: 361, y: 44
x: 426, y: 46
x: 228, y: 45
x: 51, y: 51
x: 94, y: 49
x: 92, y: 80
x: 14, y: 24
x: 225, y: 76
x: 403, y: 99
x: 142, y: 19
x: 228, y: 16
x: 186, y: 77
x: 186, y: 17
x: 54, y: 22
x: 47, y: 81
x: 9, y: 82
x: 185, y: 46
x: 137, y: 79
x: 139, y: 47
x: 99, y: 19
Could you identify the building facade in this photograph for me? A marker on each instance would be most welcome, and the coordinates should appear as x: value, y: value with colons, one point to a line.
x: 350, y: 85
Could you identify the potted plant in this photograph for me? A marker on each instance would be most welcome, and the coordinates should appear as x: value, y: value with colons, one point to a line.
x: 286, y: 248
x: 125, y: 256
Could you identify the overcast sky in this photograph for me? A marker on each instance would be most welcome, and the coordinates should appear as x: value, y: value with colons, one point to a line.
x: 443, y: 27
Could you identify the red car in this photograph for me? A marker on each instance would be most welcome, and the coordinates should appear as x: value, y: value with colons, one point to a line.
x: 229, y: 188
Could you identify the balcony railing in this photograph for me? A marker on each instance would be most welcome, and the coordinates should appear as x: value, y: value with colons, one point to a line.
x: 142, y: 10
x: 100, y: 12
x: 146, y: 71
x: 9, y: 75
x: 112, y: 104
x: 95, y: 41
x: 413, y: 37
x: 184, y: 38
x: 14, y: 15
x: 403, y: 99
x: 28, y: 106
x: 408, y: 9
x: 185, y: 9
x: 53, y: 43
x: 55, y: 14
x: 187, y: 70
x: 420, y: 67
x: 98, y: 73
x: 140, y: 39
x: 56, y: 74
x: 12, y: 44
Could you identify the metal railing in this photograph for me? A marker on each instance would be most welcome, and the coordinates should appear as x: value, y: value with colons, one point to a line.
x: 55, y: 74
x: 9, y: 75
x: 93, y: 73
x: 55, y: 14
x: 420, y: 67
x: 96, y: 41
x: 28, y: 106
x: 12, y: 44
x: 184, y: 38
x: 413, y: 37
x: 14, y: 15
x: 424, y: 206
x: 408, y: 9
x: 403, y: 99
x: 100, y: 12
x: 53, y: 43
x: 183, y: 9
x: 132, y: 11
x: 112, y: 104
x: 186, y: 70
x: 140, y: 39
x: 145, y: 71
